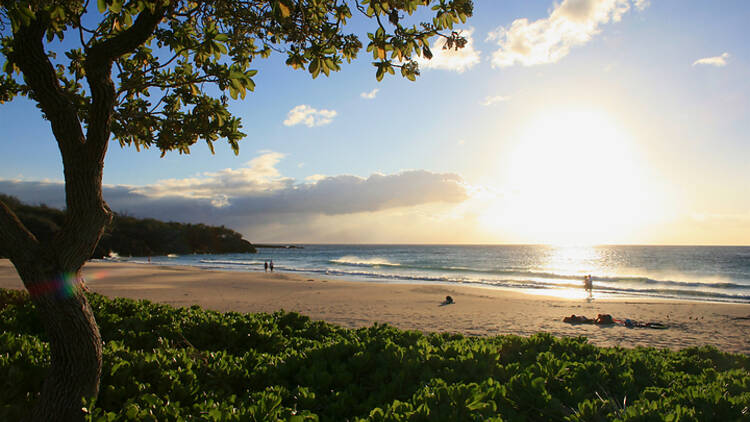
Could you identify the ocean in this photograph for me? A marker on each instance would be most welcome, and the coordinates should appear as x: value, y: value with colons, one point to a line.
x: 705, y: 273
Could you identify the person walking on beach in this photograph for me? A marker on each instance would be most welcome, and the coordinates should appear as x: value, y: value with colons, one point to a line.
x: 265, y: 265
x: 271, y: 265
x: 588, y: 284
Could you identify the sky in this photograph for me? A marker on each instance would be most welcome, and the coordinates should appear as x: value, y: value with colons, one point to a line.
x: 569, y: 122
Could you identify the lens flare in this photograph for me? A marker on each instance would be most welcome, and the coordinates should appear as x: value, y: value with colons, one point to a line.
x: 62, y: 287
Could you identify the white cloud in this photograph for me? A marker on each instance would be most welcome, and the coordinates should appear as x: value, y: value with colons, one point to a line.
x: 259, y: 175
x: 369, y: 95
x: 315, y: 177
x: 570, y: 23
x: 452, y: 59
x: 718, y: 61
x: 220, y: 201
x: 310, y: 117
x: 489, y: 100
x: 642, y: 4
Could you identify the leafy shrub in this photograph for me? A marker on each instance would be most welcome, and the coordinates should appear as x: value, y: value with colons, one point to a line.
x: 164, y: 363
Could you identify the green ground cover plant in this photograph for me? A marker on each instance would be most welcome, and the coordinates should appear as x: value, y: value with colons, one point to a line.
x: 166, y: 364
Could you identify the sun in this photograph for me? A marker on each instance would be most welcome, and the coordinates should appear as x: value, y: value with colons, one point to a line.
x: 573, y: 177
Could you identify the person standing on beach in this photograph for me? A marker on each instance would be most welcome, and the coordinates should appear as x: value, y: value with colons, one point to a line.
x: 265, y: 265
x: 588, y: 284
x: 271, y: 265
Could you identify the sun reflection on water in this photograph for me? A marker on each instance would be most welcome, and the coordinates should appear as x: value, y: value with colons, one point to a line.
x: 573, y: 262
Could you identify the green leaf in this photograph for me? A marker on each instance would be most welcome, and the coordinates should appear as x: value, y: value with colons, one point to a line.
x: 116, y: 6
x: 131, y: 411
x: 314, y: 68
x: 117, y: 366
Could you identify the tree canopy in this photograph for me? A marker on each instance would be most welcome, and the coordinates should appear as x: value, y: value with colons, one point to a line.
x: 170, y: 57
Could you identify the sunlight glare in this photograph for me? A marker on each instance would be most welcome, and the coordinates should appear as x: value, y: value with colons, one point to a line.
x: 574, y: 178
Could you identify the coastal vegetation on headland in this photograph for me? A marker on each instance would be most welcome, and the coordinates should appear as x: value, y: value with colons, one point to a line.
x: 166, y: 363
x: 130, y: 236
x: 147, y: 237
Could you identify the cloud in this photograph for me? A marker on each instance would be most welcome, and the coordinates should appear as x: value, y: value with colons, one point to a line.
x: 451, y: 59
x: 310, y: 117
x: 258, y: 175
x: 489, y: 100
x: 258, y: 196
x: 369, y: 95
x: 718, y: 61
x: 641, y: 5
x: 315, y: 177
x: 570, y: 23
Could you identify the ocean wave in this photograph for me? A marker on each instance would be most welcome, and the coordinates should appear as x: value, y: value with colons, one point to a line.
x: 675, y: 290
x: 230, y: 262
x: 639, y: 278
x: 491, y: 276
x: 539, y: 275
x: 364, y: 262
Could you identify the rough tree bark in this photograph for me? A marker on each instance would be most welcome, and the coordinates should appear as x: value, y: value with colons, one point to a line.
x: 74, y: 339
x: 51, y: 271
x: 75, y: 343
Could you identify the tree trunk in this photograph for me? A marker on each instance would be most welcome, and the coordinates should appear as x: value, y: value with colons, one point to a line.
x: 51, y: 271
x: 75, y: 342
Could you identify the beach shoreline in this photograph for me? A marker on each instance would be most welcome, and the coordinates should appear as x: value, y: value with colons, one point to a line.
x: 477, y: 311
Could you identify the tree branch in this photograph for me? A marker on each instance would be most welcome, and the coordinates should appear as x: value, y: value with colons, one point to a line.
x: 98, y: 66
x: 16, y: 241
x: 41, y: 78
x: 87, y: 213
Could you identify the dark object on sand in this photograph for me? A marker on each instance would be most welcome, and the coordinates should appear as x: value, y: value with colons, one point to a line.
x: 578, y: 319
x: 448, y: 300
x: 629, y: 323
x: 601, y: 319
x: 606, y: 319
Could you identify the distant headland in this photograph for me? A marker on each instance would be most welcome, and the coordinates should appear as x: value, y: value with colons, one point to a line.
x: 130, y: 236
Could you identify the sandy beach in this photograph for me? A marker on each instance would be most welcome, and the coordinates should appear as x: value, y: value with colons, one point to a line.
x: 477, y: 311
